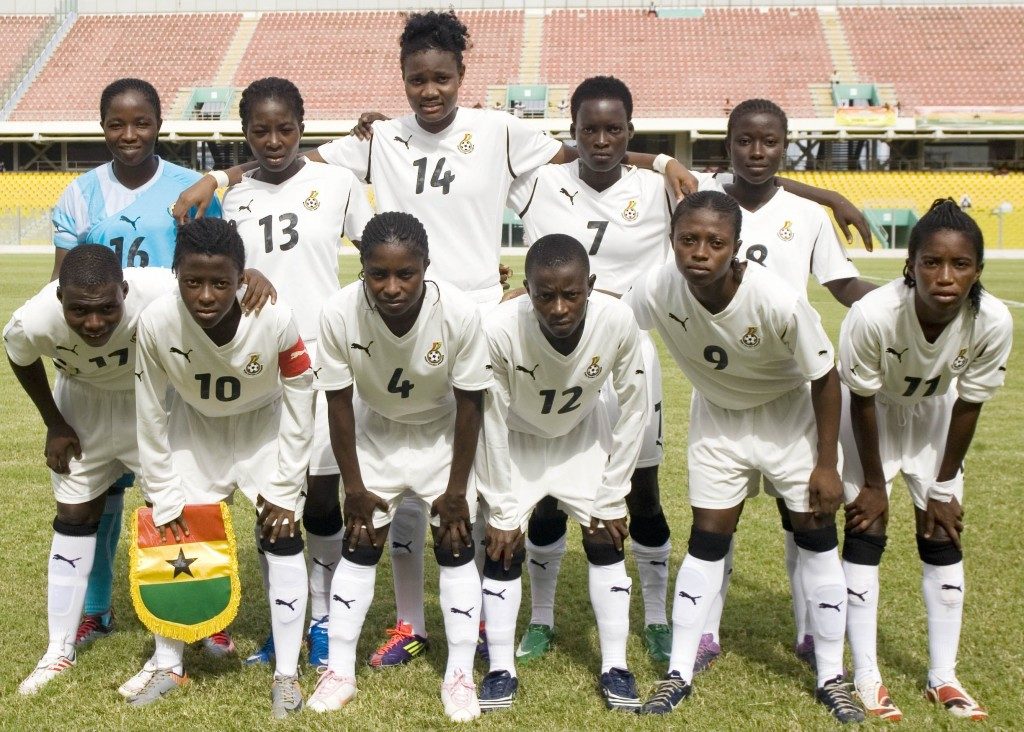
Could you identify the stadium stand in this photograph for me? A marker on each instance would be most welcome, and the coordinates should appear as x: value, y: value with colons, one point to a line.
x: 20, y: 34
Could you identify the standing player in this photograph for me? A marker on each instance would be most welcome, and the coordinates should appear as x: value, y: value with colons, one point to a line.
x: 765, y: 401
x: 239, y: 417
x: 291, y: 214
x: 416, y: 354
x: 920, y: 356
x: 86, y: 323
x: 552, y: 354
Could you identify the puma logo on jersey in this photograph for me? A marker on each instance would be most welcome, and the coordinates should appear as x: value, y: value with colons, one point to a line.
x: 542, y: 565
x: 456, y: 611
x: 316, y: 372
x: 343, y: 601
x: 528, y: 371
x: 60, y: 558
x: 655, y: 562
x: 1001, y: 368
x: 248, y: 206
x: 73, y: 349
x: 130, y: 221
x: 289, y: 605
x: 639, y: 372
x: 853, y: 370
x: 328, y: 567
x: 398, y: 545
x: 672, y: 316
x: 500, y: 594
x: 138, y: 375
x: 185, y: 354
x: 823, y: 352
x: 897, y: 354
x: 404, y: 142
x: 692, y: 598
x: 615, y: 588
x: 859, y: 595
x: 958, y: 588
x: 359, y: 347
x: 827, y: 606
x: 568, y: 195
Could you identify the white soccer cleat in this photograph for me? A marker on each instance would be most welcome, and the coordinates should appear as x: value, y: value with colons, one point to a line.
x: 956, y: 701
x: 137, y: 683
x: 459, y: 699
x: 50, y: 667
x: 876, y: 700
x: 332, y: 692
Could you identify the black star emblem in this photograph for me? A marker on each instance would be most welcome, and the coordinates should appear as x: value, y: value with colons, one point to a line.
x: 181, y: 564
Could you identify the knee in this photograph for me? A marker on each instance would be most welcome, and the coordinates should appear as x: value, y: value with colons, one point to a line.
x: 599, y: 549
x: 447, y: 558
x: 495, y: 570
x: 938, y: 553
x: 649, y: 530
x: 708, y: 546
x: 546, y: 527
x: 71, y: 523
x: 864, y: 548
x: 819, y: 540
x: 322, y: 521
x: 284, y: 546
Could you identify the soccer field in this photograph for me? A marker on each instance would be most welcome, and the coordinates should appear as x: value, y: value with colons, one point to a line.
x: 756, y: 684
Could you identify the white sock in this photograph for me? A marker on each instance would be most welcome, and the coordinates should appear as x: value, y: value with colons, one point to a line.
x: 713, y: 624
x: 324, y: 553
x: 800, y: 616
x: 543, y: 563
x: 168, y: 654
x: 697, y: 584
x: 407, y: 539
x: 501, y: 603
x: 825, y: 589
x: 351, y: 596
x: 652, y: 566
x: 68, y: 575
x: 264, y: 569
x: 943, y: 588
x: 460, y: 599
x: 862, y: 619
x: 287, y: 597
x: 610, y: 588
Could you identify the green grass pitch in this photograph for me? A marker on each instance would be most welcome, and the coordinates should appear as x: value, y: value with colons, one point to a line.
x: 756, y: 684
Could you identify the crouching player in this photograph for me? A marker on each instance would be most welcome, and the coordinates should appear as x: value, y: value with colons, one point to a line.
x: 551, y: 354
x: 920, y: 356
x: 766, y: 401
x: 404, y: 364
x: 86, y: 323
x: 239, y: 416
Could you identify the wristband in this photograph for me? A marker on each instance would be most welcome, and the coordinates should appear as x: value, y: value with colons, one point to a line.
x: 661, y: 162
x: 945, y: 490
x: 221, y: 177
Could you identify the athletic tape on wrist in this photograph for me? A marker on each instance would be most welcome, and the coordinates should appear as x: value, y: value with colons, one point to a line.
x: 945, y: 490
x: 660, y: 163
x: 221, y: 177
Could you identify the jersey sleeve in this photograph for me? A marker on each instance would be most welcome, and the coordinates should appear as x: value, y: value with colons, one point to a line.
x: 639, y: 301
x: 828, y: 258
x: 495, y: 484
x: 807, y: 341
x: 349, y: 152
x: 332, y: 369
x: 295, y: 433
x: 987, y: 371
x: 18, y: 342
x: 471, y: 359
x: 70, y: 219
x: 520, y: 194
x: 358, y: 212
x: 527, y: 147
x: 860, y: 354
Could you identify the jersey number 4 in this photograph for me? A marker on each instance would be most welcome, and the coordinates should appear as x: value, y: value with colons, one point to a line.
x: 440, y: 179
x: 402, y: 387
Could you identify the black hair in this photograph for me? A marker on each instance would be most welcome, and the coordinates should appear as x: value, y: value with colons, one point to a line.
x: 714, y: 200
x: 601, y: 87
x: 394, y: 226
x: 755, y: 106
x: 116, y: 88
x: 440, y: 31
x: 945, y: 214
x: 272, y: 87
x: 556, y: 250
x: 90, y: 265
x: 210, y: 237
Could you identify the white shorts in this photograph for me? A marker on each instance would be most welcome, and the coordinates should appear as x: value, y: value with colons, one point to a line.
x: 399, y: 460
x: 568, y: 468
x: 321, y: 460
x: 105, y: 424
x: 652, y: 451
x: 911, y: 441
x: 729, y: 449
x: 214, y: 456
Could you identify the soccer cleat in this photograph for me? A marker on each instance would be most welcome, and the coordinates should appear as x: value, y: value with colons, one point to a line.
x: 49, y: 668
x: 285, y: 696
x: 459, y: 698
x: 401, y: 647
x: 93, y: 628
x: 836, y: 696
x: 668, y: 694
x: 535, y: 643
x: 707, y: 652
x: 481, y: 644
x: 317, y: 641
x: 160, y: 684
x: 265, y: 654
x: 804, y: 650
x: 498, y: 691
x: 876, y: 701
x: 956, y: 700
x: 135, y: 684
x: 618, y: 687
x: 658, y: 639
x: 332, y: 692
x: 219, y: 645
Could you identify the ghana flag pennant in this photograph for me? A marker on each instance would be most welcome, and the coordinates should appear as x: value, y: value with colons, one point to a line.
x: 189, y: 590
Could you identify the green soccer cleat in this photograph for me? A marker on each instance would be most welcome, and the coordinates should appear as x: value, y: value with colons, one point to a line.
x: 535, y: 643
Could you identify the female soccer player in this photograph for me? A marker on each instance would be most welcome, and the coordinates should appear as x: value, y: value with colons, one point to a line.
x: 239, y: 417
x: 920, y: 357
x: 765, y: 401
x: 414, y: 350
x: 291, y: 213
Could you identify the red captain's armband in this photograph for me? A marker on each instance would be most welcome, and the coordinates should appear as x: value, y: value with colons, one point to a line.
x: 294, y: 361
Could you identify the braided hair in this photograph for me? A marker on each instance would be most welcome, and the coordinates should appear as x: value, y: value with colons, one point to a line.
x: 210, y: 237
x: 440, y: 31
x: 714, y: 200
x: 116, y: 88
x: 272, y: 87
x: 755, y: 106
x: 945, y: 214
x: 88, y: 266
x: 394, y: 227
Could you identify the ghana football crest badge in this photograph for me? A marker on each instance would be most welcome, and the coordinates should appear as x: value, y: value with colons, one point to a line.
x: 434, y: 356
x: 960, y: 362
x: 750, y: 339
x: 254, y: 367
x: 312, y: 203
x: 466, y: 145
x: 786, y: 232
x: 629, y: 213
x: 594, y: 369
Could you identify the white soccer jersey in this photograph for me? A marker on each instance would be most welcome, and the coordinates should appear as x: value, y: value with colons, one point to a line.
x: 407, y: 378
x: 38, y: 330
x: 883, y: 350
x: 455, y: 182
x: 624, y: 227
x: 766, y: 342
x: 791, y: 236
x: 292, y: 233
x: 543, y: 393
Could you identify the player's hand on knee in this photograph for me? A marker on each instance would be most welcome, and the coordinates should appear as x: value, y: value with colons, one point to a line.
x: 364, y: 127
x: 61, y: 443
x: 176, y: 529
x: 947, y: 516
x: 870, y: 505
x: 258, y: 289
x: 274, y: 520
x: 825, y: 490
x: 453, y: 510
x: 358, y: 509
x: 617, y: 529
x: 197, y: 196
x: 502, y: 545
